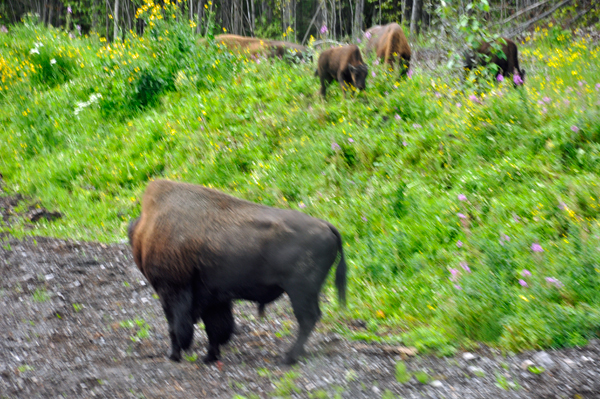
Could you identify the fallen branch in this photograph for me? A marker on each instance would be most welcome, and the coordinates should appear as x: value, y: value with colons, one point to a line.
x: 532, y: 21
x: 523, y: 11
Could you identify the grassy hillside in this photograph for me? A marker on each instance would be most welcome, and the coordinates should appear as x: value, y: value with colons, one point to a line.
x: 469, y: 211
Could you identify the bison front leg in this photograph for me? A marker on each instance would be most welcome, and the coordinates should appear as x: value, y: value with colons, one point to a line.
x: 306, y: 309
x: 219, y: 325
x: 177, y: 304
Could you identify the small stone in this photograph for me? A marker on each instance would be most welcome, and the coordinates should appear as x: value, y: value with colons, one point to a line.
x: 49, y: 276
x: 436, y: 383
x: 586, y: 359
x: 544, y: 360
x: 569, y: 363
x: 526, y: 364
x: 375, y: 389
x: 476, y: 371
x: 467, y: 356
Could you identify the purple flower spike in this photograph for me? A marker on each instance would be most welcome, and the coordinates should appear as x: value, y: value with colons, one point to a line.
x: 410, y: 73
x: 546, y: 99
x: 465, y: 267
x: 350, y: 139
x: 535, y: 247
x: 459, y: 243
x: 523, y: 283
x: 525, y: 273
x: 323, y: 29
x: 458, y: 287
x: 574, y: 128
x: 500, y: 78
x: 302, y: 205
x: 461, y: 215
x: 597, y: 86
x: 404, y: 143
x: 364, y: 219
x: 398, y: 117
x: 368, y: 35
x: 69, y: 10
x: 373, y: 73
x: 517, y: 79
x: 555, y: 282
x: 505, y: 237
x: 462, y: 197
x: 335, y: 146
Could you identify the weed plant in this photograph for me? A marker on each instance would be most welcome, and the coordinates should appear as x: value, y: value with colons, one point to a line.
x: 469, y: 209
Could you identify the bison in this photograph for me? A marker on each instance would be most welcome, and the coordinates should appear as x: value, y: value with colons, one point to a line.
x: 389, y: 42
x: 256, y: 46
x: 505, y: 56
x: 344, y: 64
x: 200, y: 249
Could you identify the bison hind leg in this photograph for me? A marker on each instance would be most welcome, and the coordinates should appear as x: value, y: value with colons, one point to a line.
x: 177, y: 304
x: 219, y: 325
x: 306, y: 309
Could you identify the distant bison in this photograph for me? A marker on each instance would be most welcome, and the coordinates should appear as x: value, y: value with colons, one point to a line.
x: 201, y: 249
x: 390, y: 44
x: 256, y: 46
x: 344, y: 64
x: 506, y: 58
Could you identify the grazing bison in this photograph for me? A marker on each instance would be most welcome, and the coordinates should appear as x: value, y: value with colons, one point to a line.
x: 200, y: 249
x: 506, y: 58
x: 344, y: 64
x: 256, y: 46
x: 389, y: 43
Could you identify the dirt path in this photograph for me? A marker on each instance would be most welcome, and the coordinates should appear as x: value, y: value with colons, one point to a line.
x: 78, y: 320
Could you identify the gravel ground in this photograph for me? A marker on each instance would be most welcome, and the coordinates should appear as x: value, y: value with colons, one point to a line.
x: 78, y: 320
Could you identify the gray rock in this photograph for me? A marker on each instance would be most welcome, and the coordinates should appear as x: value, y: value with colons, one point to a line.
x: 467, y: 356
x: 544, y: 360
x: 436, y: 383
x: 476, y: 371
x: 526, y: 364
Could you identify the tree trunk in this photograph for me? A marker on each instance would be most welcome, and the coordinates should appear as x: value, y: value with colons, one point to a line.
x: 416, y: 17
x: 116, y: 20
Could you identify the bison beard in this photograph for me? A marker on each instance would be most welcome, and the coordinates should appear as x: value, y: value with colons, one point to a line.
x: 201, y: 249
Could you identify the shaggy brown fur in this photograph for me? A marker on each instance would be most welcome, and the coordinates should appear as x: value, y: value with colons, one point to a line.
x: 508, y: 65
x: 256, y: 46
x: 390, y: 44
x: 200, y: 249
x: 344, y: 64
x: 249, y: 45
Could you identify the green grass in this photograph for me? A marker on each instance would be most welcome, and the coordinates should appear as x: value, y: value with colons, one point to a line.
x: 389, y: 167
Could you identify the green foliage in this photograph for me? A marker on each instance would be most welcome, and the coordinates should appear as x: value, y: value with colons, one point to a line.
x: 140, y: 325
x: 422, y: 377
x: 388, y: 167
x: 402, y: 373
x: 286, y: 385
x: 41, y: 295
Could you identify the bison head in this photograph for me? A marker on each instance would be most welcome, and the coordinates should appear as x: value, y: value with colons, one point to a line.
x: 359, y: 75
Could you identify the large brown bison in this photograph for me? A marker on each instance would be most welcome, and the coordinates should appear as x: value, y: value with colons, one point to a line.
x: 344, y: 64
x: 200, y: 249
x: 505, y: 56
x: 269, y: 48
x: 390, y: 45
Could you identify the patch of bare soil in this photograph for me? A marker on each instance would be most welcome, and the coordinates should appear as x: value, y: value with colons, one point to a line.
x: 78, y: 320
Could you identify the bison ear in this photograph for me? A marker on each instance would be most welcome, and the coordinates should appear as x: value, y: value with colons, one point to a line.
x: 352, y: 68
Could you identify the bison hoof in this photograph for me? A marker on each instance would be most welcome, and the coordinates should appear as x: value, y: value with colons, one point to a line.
x: 210, y: 358
x: 289, y: 360
x: 175, y: 355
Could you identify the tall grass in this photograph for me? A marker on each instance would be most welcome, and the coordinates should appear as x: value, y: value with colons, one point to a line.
x: 468, y: 209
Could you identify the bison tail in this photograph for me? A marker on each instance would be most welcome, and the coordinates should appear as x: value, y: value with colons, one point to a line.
x: 341, y: 270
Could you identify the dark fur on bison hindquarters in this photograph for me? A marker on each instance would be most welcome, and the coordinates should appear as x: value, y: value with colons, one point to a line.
x: 201, y: 249
x: 344, y: 64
